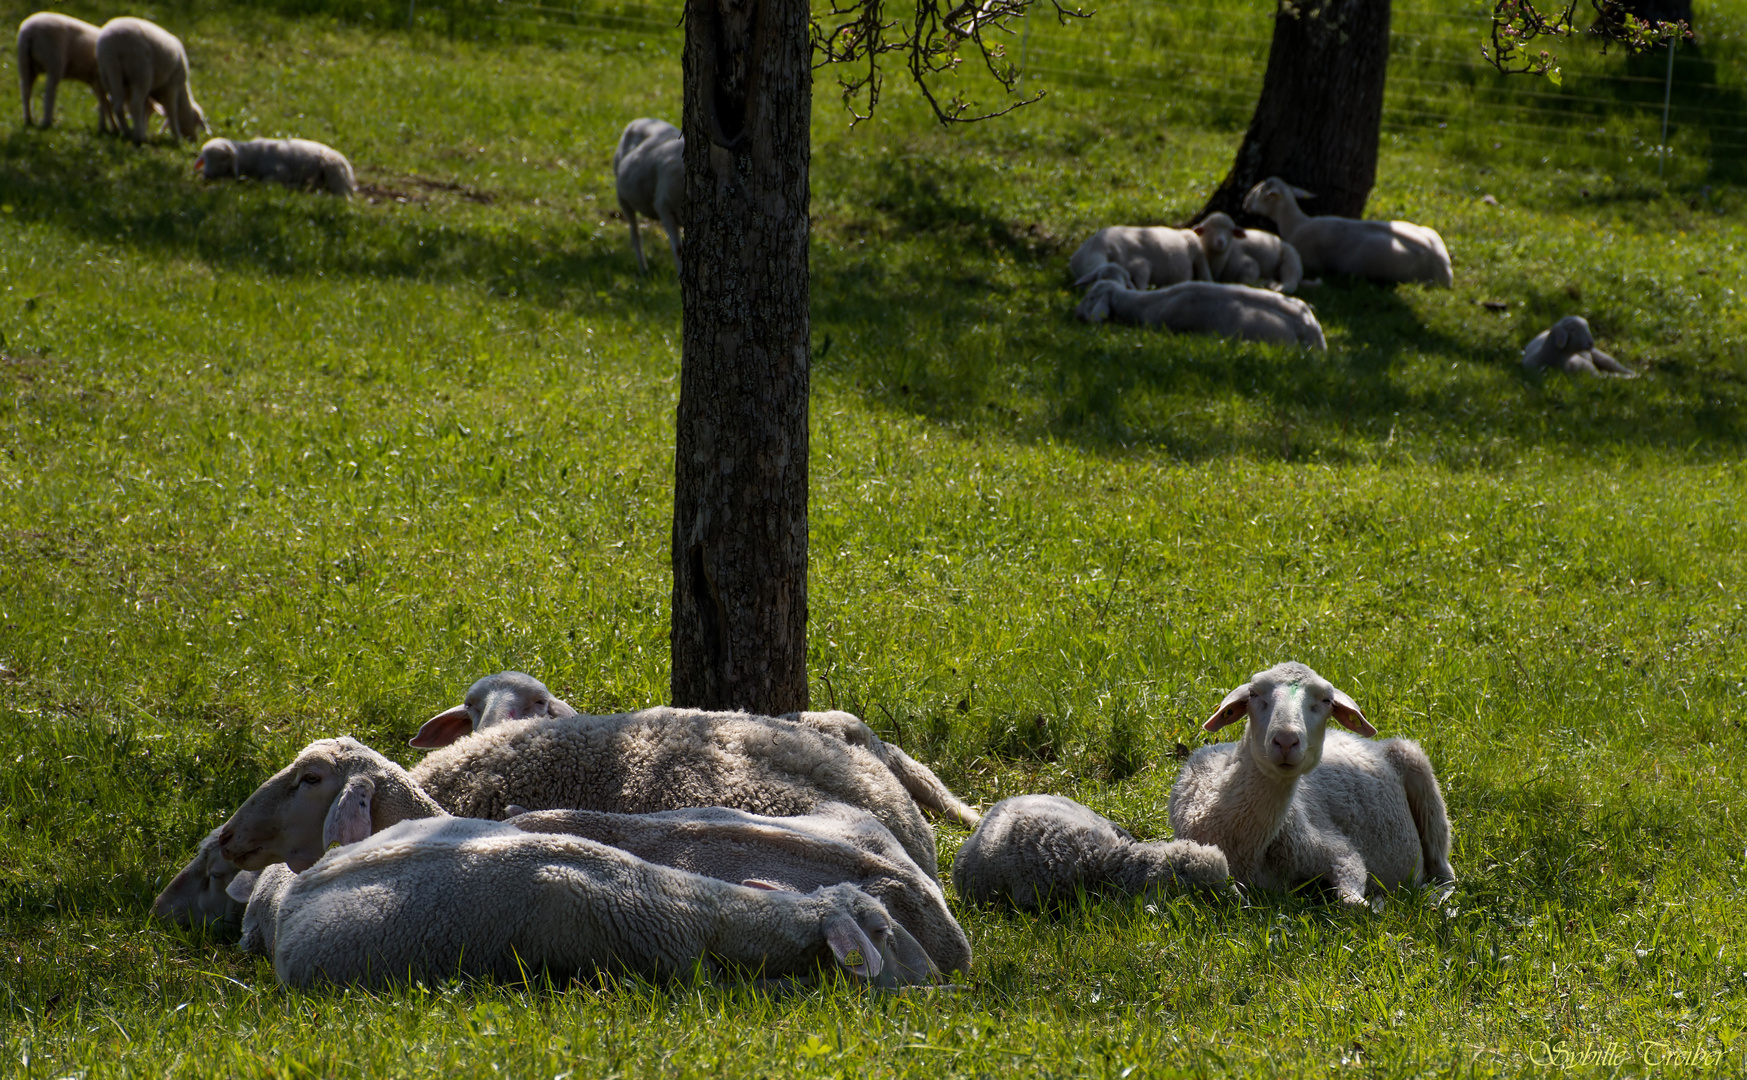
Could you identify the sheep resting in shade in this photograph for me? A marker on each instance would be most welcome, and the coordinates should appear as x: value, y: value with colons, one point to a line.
x: 1569, y: 347
x: 298, y: 163
x: 1036, y: 851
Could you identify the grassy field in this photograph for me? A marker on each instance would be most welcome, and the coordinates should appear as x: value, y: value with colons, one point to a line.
x: 275, y: 467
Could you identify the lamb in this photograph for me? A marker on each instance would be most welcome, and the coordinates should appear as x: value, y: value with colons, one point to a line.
x: 447, y: 897
x: 511, y: 695
x: 1151, y: 255
x: 1196, y: 307
x: 1380, y: 250
x: 649, y: 168
x: 140, y: 62
x: 1292, y: 802
x: 1248, y: 256
x: 1570, y: 347
x: 1036, y: 851
x: 298, y: 163
x: 835, y: 844
x: 198, y: 894
x: 58, y: 47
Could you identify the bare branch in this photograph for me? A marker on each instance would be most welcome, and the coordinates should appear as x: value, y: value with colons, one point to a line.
x: 1517, y: 23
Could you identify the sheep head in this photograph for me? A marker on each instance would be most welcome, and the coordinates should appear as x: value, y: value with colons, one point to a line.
x: 1288, y: 707
x: 507, y: 695
x: 1270, y: 197
x: 1571, y: 334
x: 1216, y: 232
x: 217, y: 158
x: 1095, y: 307
x: 200, y: 893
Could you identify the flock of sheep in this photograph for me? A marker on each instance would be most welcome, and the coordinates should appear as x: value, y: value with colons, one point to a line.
x: 537, y: 840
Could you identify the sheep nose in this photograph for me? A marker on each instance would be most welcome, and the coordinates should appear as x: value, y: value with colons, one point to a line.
x: 226, y: 836
x: 1286, y: 744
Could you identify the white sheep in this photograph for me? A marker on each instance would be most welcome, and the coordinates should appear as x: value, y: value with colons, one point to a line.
x: 298, y: 163
x: 649, y: 171
x: 58, y: 47
x: 452, y: 897
x: 1292, y: 802
x: 1569, y: 346
x: 1036, y: 851
x: 1248, y: 256
x: 836, y: 844
x: 140, y: 62
x: 1152, y: 255
x: 1380, y: 250
x: 1198, y: 307
x: 514, y: 695
x: 199, y: 893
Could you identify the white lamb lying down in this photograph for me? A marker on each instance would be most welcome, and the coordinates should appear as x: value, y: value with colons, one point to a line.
x: 1570, y: 347
x: 1199, y: 307
x: 1036, y: 851
x: 1248, y: 256
x: 1380, y: 250
x: 439, y: 898
x: 297, y: 163
x: 1151, y: 256
x: 1293, y: 802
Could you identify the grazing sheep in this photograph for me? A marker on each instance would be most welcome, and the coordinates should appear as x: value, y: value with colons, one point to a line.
x: 1292, y: 802
x: 836, y: 844
x: 1152, y: 256
x: 58, y: 47
x: 297, y: 163
x: 1035, y: 851
x: 649, y: 168
x: 140, y: 62
x: 1197, y: 307
x: 457, y: 897
x: 1570, y: 347
x: 199, y: 893
x: 657, y: 759
x: 513, y: 695
x: 1380, y: 250
x: 1248, y: 256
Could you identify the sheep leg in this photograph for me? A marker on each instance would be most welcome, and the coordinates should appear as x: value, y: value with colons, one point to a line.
x: 137, y: 112
x: 51, y: 83
x: 1346, y: 875
x: 636, y: 240
x: 1607, y: 363
x: 26, y: 81
x: 670, y: 225
x: 1426, y: 803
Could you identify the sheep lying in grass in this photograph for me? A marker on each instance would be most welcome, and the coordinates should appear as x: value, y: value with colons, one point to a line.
x: 1035, y: 851
x: 1152, y: 256
x: 1380, y: 250
x: 513, y: 695
x: 141, y: 62
x: 297, y: 163
x: 649, y: 170
x: 1569, y: 346
x: 58, y: 47
x: 1195, y: 307
x: 834, y: 845
x: 456, y: 897
x: 200, y: 892
x: 1292, y: 802
x: 1248, y: 256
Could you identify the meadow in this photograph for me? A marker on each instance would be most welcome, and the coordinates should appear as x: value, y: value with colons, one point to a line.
x: 275, y: 467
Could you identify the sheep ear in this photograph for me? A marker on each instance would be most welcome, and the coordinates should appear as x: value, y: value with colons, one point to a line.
x: 1347, y: 712
x: 349, y: 818
x: 1235, y: 707
x: 513, y: 810
x: 1300, y: 192
x: 852, y: 947
x: 1200, y: 229
x: 443, y: 728
x: 906, y: 962
x: 1089, y: 278
x: 1560, y: 337
x: 242, y: 886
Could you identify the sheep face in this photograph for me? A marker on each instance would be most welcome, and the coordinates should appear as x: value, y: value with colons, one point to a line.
x: 1217, y: 231
x: 1271, y: 197
x: 306, y: 806
x: 507, y: 695
x: 200, y: 893
x: 1288, y: 707
x: 1095, y: 308
x: 217, y: 158
x: 1571, y: 334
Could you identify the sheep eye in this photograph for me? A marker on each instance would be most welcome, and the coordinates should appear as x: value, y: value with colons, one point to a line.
x: 311, y: 778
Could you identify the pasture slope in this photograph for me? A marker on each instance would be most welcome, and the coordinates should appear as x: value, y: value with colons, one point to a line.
x: 277, y: 466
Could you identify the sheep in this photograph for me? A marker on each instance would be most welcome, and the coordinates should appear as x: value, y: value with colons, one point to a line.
x: 447, y: 897
x: 512, y: 695
x: 649, y: 170
x: 1248, y: 256
x: 297, y: 163
x: 1293, y: 802
x: 833, y: 845
x: 1152, y: 256
x: 1197, y: 307
x: 1035, y: 851
x: 140, y: 62
x: 197, y: 894
x: 58, y: 47
x: 656, y: 759
x: 1570, y: 347
x: 1381, y: 250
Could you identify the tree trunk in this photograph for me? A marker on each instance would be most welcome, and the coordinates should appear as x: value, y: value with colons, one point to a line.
x: 1316, y: 123
x: 739, y: 633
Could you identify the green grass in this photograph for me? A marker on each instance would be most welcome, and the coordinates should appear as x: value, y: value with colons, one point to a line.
x: 274, y: 467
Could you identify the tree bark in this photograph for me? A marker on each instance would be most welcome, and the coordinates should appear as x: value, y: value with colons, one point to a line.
x: 739, y: 632
x: 1317, y: 121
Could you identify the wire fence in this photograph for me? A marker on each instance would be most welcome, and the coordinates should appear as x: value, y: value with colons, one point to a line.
x: 1204, y: 63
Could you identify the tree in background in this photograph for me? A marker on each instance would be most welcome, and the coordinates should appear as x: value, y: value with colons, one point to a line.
x: 739, y: 621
